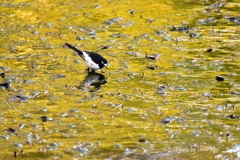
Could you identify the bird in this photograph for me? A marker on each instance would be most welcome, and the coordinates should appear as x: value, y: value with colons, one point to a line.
x: 93, y: 61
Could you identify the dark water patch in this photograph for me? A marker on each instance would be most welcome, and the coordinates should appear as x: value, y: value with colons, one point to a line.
x: 219, y: 78
x: 236, y: 8
x: 217, y: 53
x: 219, y: 16
x: 38, y: 155
x: 2, y: 75
x: 5, y: 85
x: 127, y: 108
x: 186, y: 4
x: 228, y: 48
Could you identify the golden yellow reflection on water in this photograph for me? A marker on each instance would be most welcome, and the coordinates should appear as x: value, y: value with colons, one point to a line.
x: 171, y: 107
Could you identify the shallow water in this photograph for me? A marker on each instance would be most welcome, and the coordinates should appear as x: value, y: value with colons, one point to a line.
x: 172, y: 107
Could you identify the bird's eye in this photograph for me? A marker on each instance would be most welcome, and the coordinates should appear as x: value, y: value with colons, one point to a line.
x: 105, y: 64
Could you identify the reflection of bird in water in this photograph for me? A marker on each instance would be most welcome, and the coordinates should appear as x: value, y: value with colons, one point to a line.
x: 93, y: 80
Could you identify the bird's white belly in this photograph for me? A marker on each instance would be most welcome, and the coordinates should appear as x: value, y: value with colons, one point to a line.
x: 88, y: 61
x: 92, y: 65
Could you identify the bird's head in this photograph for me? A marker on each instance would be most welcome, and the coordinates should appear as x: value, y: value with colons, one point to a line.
x: 105, y: 63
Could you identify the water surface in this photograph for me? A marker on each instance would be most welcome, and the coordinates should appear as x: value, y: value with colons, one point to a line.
x: 168, y: 108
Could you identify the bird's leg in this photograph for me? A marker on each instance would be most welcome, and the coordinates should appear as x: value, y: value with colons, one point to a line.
x: 15, y: 154
x: 87, y: 70
x: 43, y: 127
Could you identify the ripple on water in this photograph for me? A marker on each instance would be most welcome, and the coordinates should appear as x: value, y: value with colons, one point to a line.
x: 172, y: 82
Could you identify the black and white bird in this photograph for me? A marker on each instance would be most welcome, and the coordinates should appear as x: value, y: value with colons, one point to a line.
x: 92, y: 60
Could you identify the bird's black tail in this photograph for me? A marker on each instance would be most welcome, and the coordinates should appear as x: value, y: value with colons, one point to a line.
x: 74, y: 48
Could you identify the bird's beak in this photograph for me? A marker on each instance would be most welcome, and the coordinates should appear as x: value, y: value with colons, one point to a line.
x: 106, y: 65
